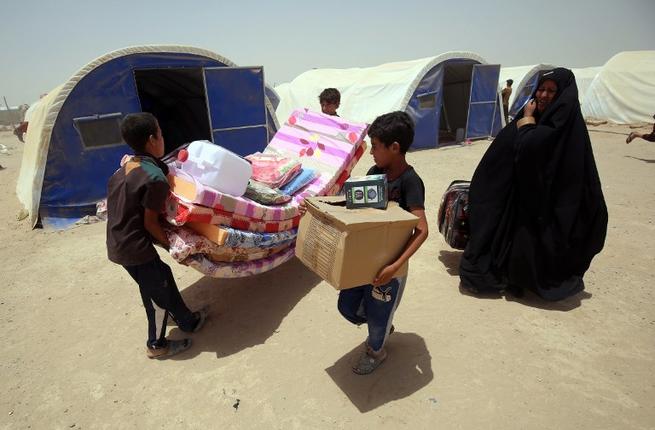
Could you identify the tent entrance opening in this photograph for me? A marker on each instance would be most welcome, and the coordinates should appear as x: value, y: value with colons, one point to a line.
x: 177, y: 98
x: 455, y: 104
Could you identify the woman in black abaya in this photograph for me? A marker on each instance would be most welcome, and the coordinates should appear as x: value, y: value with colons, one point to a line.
x: 536, y: 208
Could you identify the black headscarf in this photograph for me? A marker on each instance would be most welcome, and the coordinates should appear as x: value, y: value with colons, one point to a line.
x: 536, y: 208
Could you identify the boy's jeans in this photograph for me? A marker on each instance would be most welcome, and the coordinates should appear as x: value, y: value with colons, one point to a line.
x: 160, y: 298
x: 374, y: 306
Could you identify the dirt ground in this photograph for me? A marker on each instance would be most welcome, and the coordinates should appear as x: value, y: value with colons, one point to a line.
x: 275, y: 353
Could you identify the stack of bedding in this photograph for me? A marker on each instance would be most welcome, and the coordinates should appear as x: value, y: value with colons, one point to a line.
x: 225, y: 236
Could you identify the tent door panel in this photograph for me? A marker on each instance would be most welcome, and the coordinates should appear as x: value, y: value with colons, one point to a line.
x: 482, y: 101
x: 237, y: 108
x: 176, y: 96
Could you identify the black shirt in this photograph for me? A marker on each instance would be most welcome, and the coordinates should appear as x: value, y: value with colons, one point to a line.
x: 138, y: 185
x: 407, y: 189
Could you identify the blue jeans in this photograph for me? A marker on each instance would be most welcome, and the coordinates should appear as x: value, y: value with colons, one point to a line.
x: 373, y: 306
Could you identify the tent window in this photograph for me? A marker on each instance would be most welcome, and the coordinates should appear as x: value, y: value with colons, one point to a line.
x: 427, y: 101
x: 99, y: 130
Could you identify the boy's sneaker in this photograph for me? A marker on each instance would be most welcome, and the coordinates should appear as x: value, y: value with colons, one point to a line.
x: 172, y: 348
x: 369, y: 361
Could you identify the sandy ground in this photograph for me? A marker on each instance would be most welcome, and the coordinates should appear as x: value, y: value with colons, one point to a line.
x: 276, y: 354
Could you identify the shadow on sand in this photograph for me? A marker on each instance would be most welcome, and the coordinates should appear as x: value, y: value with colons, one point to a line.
x: 450, y: 260
x: 407, y: 369
x: 244, y: 312
x: 645, y: 160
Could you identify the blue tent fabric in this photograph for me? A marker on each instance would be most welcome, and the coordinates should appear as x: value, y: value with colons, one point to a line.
x: 482, y: 106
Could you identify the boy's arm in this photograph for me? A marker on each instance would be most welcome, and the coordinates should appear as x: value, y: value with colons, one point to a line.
x: 413, y: 244
x: 151, y: 223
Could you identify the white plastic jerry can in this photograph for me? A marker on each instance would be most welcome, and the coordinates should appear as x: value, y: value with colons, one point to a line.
x: 217, y: 167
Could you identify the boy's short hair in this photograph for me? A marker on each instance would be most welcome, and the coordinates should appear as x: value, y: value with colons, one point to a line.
x: 510, y: 82
x: 393, y: 127
x: 136, y: 128
x: 330, y: 95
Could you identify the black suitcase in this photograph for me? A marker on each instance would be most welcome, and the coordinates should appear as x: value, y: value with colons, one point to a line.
x: 453, y: 214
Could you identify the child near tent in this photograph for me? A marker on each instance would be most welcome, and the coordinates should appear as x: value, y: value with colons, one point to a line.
x: 330, y: 99
x: 391, y: 136
x: 648, y: 137
x: 136, y: 195
x: 506, y: 94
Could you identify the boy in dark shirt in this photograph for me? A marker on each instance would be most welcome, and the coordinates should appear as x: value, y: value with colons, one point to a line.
x: 136, y: 195
x: 391, y: 136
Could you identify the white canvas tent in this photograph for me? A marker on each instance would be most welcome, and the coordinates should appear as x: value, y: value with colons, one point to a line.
x: 451, y: 94
x: 584, y: 76
x: 624, y: 89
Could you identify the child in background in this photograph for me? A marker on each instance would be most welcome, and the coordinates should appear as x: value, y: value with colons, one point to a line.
x: 330, y: 99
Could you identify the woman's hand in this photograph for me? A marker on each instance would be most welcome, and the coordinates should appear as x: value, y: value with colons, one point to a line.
x: 529, y: 108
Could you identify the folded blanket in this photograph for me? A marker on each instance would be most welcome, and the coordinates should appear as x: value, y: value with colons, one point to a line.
x: 186, y: 189
x: 240, y: 255
x: 273, y: 170
x: 265, y: 195
x: 184, y: 242
x: 179, y: 213
x: 251, y: 239
x: 304, y: 177
x: 207, y: 267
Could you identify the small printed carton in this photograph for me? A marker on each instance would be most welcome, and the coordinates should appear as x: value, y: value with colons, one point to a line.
x: 366, y: 192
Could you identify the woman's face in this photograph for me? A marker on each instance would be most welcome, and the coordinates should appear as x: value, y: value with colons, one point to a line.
x: 545, y: 95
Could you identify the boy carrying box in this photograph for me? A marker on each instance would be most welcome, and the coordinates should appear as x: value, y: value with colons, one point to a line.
x: 374, y: 304
x: 136, y: 195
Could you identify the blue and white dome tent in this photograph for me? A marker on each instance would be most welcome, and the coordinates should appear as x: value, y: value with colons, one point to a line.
x: 73, y: 143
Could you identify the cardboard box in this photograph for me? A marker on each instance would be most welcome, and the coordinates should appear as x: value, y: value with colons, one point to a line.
x: 366, y: 192
x: 348, y: 247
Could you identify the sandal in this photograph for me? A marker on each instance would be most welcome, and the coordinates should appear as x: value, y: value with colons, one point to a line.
x: 202, y: 317
x: 368, y: 363
x: 630, y: 137
x: 172, y: 348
